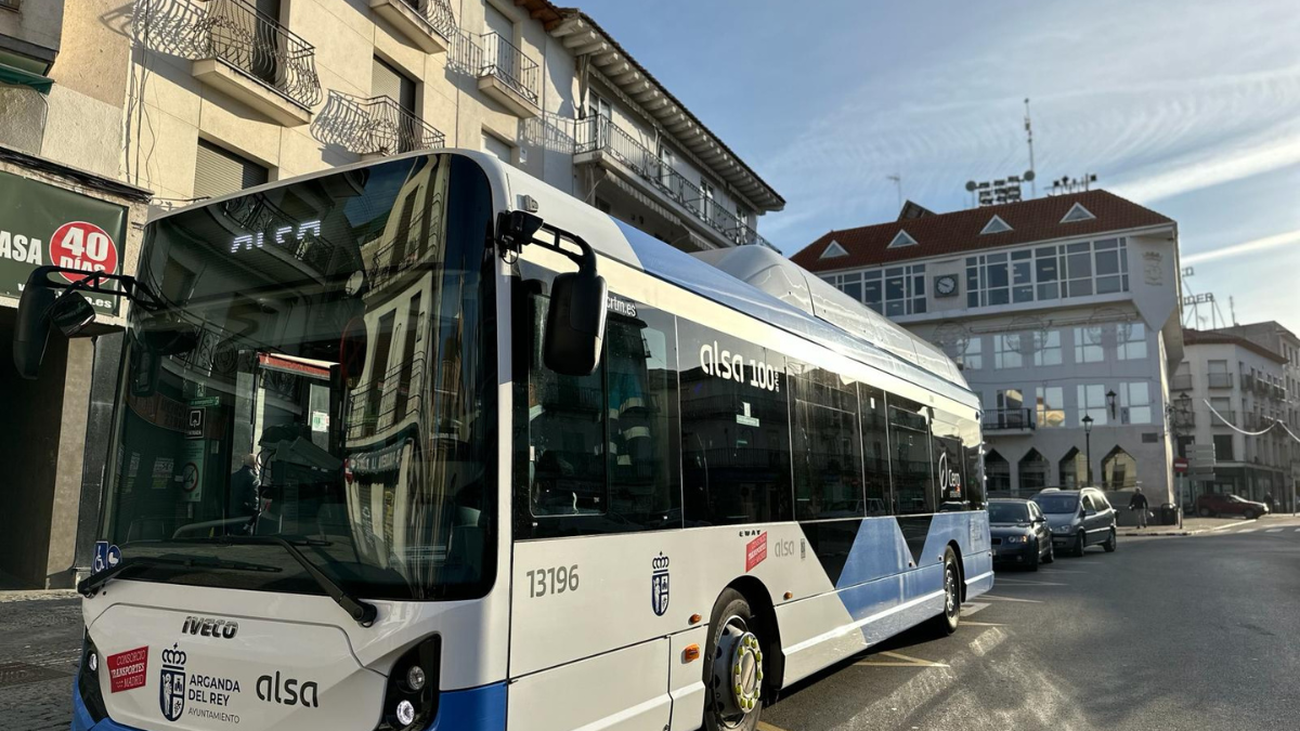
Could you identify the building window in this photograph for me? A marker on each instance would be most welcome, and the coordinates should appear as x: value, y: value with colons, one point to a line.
x: 1006, y: 351
x: 1118, y: 470
x: 1047, y: 273
x: 1135, y: 403
x: 1223, y: 448
x: 1087, y: 348
x: 498, y: 148
x: 1051, y: 406
x: 218, y: 171
x: 1217, y: 375
x: 1092, y: 402
x: 973, y: 358
x: 905, y: 290
x: 1033, y: 472
x: 1048, y: 352
x: 1131, y: 341
x: 1073, y: 469
x: 997, y: 474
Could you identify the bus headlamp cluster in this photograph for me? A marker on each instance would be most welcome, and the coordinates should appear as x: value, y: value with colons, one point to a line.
x: 411, y: 700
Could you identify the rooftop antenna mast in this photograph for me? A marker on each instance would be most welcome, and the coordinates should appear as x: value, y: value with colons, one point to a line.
x: 898, y: 183
x: 1029, y: 138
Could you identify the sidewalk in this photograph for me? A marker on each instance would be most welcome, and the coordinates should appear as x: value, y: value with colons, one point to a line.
x: 1191, y: 526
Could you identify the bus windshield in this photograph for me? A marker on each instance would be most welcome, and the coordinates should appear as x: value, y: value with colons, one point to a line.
x: 321, y: 371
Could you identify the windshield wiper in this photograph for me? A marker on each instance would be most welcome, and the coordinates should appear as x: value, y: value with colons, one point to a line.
x: 91, y: 585
x: 362, y: 611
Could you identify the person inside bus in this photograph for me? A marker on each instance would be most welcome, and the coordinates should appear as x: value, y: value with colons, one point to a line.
x: 244, y: 486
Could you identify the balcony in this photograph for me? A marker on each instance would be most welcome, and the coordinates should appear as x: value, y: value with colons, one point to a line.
x: 1228, y: 414
x: 376, y: 126
x: 1181, y: 382
x: 254, y: 59
x: 599, y: 141
x: 1218, y: 380
x: 429, y: 24
x: 1012, y: 421
x: 503, y: 71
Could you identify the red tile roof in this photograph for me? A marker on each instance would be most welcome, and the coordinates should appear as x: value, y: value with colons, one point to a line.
x: 958, y: 232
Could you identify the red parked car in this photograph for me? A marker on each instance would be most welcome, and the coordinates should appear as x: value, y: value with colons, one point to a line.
x: 1212, y: 504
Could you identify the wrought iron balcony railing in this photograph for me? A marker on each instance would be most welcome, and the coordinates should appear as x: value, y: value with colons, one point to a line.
x: 437, y: 13
x: 257, y: 45
x: 374, y: 126
x: 1229, y: 415
x: 1008, y: 419
x: 501, y: 59
x: 1181, y: 382
x: 600, y: 134
x: 1219, y: 380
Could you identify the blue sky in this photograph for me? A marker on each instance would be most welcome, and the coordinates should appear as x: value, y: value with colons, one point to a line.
x: 1191, y: 108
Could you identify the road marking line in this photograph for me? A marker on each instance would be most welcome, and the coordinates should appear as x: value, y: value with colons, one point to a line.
x: 972, y: 623
x: 973, y: 607
x: 904, y: 661
x: 1273, y: 530
x: 765, y: 726
x: 1009, y: 599
x: 1024, y: 582
x: 1232, y: 525
x: 1297, y: 530
x: 1246, y: 530
x: 1064, y: 571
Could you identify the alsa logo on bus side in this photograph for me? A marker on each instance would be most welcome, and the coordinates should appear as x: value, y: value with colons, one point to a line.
x: 731, y: 366
x: 949, y: 479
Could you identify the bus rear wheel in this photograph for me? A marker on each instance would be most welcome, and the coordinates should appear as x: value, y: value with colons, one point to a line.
x: 946, y: 622
x: 733, y: 674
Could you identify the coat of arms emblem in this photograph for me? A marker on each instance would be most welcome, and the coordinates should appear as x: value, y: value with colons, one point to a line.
x: 171, y: 683
x: 659, y: 585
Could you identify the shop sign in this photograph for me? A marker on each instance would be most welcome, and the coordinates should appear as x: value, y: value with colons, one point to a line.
x: 44, y: 225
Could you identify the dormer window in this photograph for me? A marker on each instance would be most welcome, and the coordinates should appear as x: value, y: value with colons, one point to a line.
x: 901, y: 239
x: 833, y: 250
x: 995, y: 226
x: 1078, y: 213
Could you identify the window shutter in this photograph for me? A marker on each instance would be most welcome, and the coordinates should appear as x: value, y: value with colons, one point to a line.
x: 218, y: 172
x: 387, y: 81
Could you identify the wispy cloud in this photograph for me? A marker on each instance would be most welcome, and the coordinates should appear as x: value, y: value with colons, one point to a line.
x: 1246, y: 247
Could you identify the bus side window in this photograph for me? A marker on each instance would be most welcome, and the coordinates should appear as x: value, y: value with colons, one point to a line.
x: 827, y: 458
x: 913, y: 476
x: 949, y: 462
x: 875, y: 450
x: 600, y: 451
x: 735, y: 430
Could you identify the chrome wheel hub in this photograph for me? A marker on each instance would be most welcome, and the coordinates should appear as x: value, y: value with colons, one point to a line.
x: 950, y: 590
x: 737, y: 673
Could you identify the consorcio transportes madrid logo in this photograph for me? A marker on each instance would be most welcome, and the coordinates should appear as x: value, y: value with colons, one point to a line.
x: 171, y: 683
x: 659, y: 585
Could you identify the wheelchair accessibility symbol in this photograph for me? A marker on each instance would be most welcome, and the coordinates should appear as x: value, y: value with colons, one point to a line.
x: 107, y: 556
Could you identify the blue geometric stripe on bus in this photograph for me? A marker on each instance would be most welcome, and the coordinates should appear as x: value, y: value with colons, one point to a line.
x: 884, y: 599
x: 878, y: 551
x: 479, y: 709
x: 81, y: 720
x: 915, y: 530
x: 958, y: 527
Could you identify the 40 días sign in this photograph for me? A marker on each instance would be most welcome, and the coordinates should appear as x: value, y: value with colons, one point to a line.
x: 44, y: 225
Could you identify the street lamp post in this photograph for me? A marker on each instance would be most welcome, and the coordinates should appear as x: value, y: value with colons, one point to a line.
x: 1087, y: 448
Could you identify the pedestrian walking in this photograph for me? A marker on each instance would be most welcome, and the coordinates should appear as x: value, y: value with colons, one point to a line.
x: 1139, y: 503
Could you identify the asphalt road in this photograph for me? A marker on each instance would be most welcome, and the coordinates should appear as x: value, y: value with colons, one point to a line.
x: 1199, y: 632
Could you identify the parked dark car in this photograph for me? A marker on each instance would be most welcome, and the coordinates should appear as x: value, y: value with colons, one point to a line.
x: 1229, y: 504
x: 1079, y: 518
x: 1021, y: 535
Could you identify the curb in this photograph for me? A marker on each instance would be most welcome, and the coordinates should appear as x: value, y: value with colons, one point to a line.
x: 36, y: 595
x: 1161, y: 533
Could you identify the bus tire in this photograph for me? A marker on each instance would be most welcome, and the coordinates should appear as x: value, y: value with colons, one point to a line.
x: 946, y: 622
x: 733, y: 673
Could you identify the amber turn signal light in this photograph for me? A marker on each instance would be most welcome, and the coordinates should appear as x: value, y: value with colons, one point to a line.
x: 789, y: 595
x: 695, y: 619
x: 691, y: 653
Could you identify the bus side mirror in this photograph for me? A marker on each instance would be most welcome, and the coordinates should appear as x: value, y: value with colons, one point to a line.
x: 575, y: 324
x: 71, y: 313
x: 32, y: 330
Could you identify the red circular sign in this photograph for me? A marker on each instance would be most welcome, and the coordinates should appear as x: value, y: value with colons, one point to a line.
x: 1180, y: 464
x: 84, y: 246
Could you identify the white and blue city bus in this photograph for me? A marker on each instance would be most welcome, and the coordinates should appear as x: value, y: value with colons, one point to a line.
x: 389, y: 453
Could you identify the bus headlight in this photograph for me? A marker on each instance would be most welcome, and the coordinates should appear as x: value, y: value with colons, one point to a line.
x: 411, y: 701
x: 88, y: 679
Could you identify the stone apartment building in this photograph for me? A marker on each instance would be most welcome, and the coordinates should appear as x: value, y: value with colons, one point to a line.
x: 1057, y: 309
x: 167, y: 102
x: 1247, y: 374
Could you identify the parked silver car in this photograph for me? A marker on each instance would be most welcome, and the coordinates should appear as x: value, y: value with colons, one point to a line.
x: 1079, y: 518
